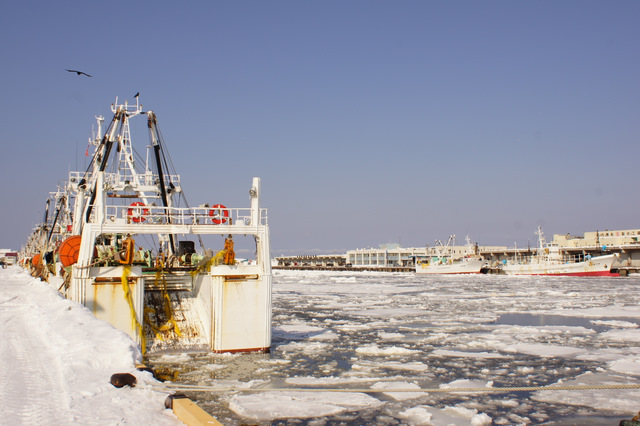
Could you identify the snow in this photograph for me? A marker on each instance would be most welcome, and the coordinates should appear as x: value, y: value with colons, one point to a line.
x: 386, y: 335
x: 448, y: 416
x: 613, y: 399
x: 628, y: 365
x: 390, y: 351
x: 621, y: 335
x: 466, y: 384
x: 402, y: 331
x: 282, y: 405
x: 398, y: 396
x: 366, y: 334
x: 545, y: 350
x: 56, y: 361
x: 613, y: 323
x: 444, y: 352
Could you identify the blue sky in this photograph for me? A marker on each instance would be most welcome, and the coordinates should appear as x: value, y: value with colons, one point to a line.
x: 368, y: 121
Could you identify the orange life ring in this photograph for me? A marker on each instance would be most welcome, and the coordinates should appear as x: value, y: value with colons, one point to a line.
x: 137, y: 213
x: 219, y: 213
x: 68, y: 251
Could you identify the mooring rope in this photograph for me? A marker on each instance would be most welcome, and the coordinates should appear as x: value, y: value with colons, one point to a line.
x: 506, y: 389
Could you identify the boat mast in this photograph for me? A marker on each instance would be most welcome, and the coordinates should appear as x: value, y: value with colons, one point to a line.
x: 102, y: 155
x: 155, y: 142
x: 541, y: 241
x: 59, y: 206
x: 46, y: 211
x: 126, y: 165
x: 448, y: 250
x: 118, y: 132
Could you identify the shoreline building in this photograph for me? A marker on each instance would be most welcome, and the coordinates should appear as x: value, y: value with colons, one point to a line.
x: 392, y: 255
x: 386, y: 255
x: 598, y: 238
x: 626, y: 242
x: 8, y: 256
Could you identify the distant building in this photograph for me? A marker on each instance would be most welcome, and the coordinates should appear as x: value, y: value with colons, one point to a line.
x: 598, y: 238
x: 392, y: 255
x: 384, y: 256
x: 8, y: 256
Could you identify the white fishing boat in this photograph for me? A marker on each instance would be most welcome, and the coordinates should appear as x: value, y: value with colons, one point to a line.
x: 124, y: 243
x: 549, y: 260
x: 444, y: 262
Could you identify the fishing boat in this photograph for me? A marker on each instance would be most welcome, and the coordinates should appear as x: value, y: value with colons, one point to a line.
x: 445, y: 262
x: 549, y: 260
x: 121, y: 239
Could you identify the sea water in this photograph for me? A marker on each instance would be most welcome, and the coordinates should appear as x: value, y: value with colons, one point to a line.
x: 380, y: 331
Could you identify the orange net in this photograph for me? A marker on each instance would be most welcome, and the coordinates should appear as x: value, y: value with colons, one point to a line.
x: 68, y: 251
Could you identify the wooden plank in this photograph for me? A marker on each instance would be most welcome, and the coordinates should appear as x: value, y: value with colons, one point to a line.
x: 192, y: 415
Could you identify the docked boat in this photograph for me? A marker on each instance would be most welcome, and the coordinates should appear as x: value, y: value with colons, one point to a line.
x: 445, y: 262
x: 549, y: 260
x: 121, y: 239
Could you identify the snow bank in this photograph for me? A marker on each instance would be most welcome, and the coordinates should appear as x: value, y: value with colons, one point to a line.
x: 56, y: 361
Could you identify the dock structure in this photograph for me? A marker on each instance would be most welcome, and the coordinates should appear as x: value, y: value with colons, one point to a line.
x: 393, y: 258
x: 333, y: 262
x: 318, y: 261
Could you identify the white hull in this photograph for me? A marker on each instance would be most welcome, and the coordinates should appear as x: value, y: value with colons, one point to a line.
x: 462, y: 266
x: 597, y: 266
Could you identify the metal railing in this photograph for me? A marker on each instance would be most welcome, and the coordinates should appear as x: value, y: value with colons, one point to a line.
x: 115, y: 179
x: 559, y: 258
x: 138, y: 213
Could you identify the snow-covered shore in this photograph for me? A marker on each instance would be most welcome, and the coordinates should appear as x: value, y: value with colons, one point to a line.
x: 56, y: 361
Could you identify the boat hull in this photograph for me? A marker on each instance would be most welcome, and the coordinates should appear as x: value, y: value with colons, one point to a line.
x: 469, y: 266
x: 596, y: 267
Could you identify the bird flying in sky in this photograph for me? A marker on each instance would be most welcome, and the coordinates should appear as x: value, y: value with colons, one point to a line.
x: 80, y: 73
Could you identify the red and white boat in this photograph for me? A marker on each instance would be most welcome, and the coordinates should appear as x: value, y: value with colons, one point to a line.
x: 548, y: 260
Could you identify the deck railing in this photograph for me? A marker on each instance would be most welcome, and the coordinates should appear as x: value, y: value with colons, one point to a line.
x: 142, y: 214
x: 559, y: 258
x: 115, y: 179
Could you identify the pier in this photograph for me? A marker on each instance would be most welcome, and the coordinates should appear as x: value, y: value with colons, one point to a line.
x: 404, y: 259
x: 335, y: 262
x: 348, y: 268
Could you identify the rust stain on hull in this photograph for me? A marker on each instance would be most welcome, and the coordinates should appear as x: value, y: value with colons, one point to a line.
x: 236, y: 351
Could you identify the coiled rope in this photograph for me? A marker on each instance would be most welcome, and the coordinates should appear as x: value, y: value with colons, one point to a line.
x: 126, y: 270
x: 171, y: 323
x: 506, y: 389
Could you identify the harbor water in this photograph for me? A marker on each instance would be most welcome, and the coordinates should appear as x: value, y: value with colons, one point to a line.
x: 336, y: 331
